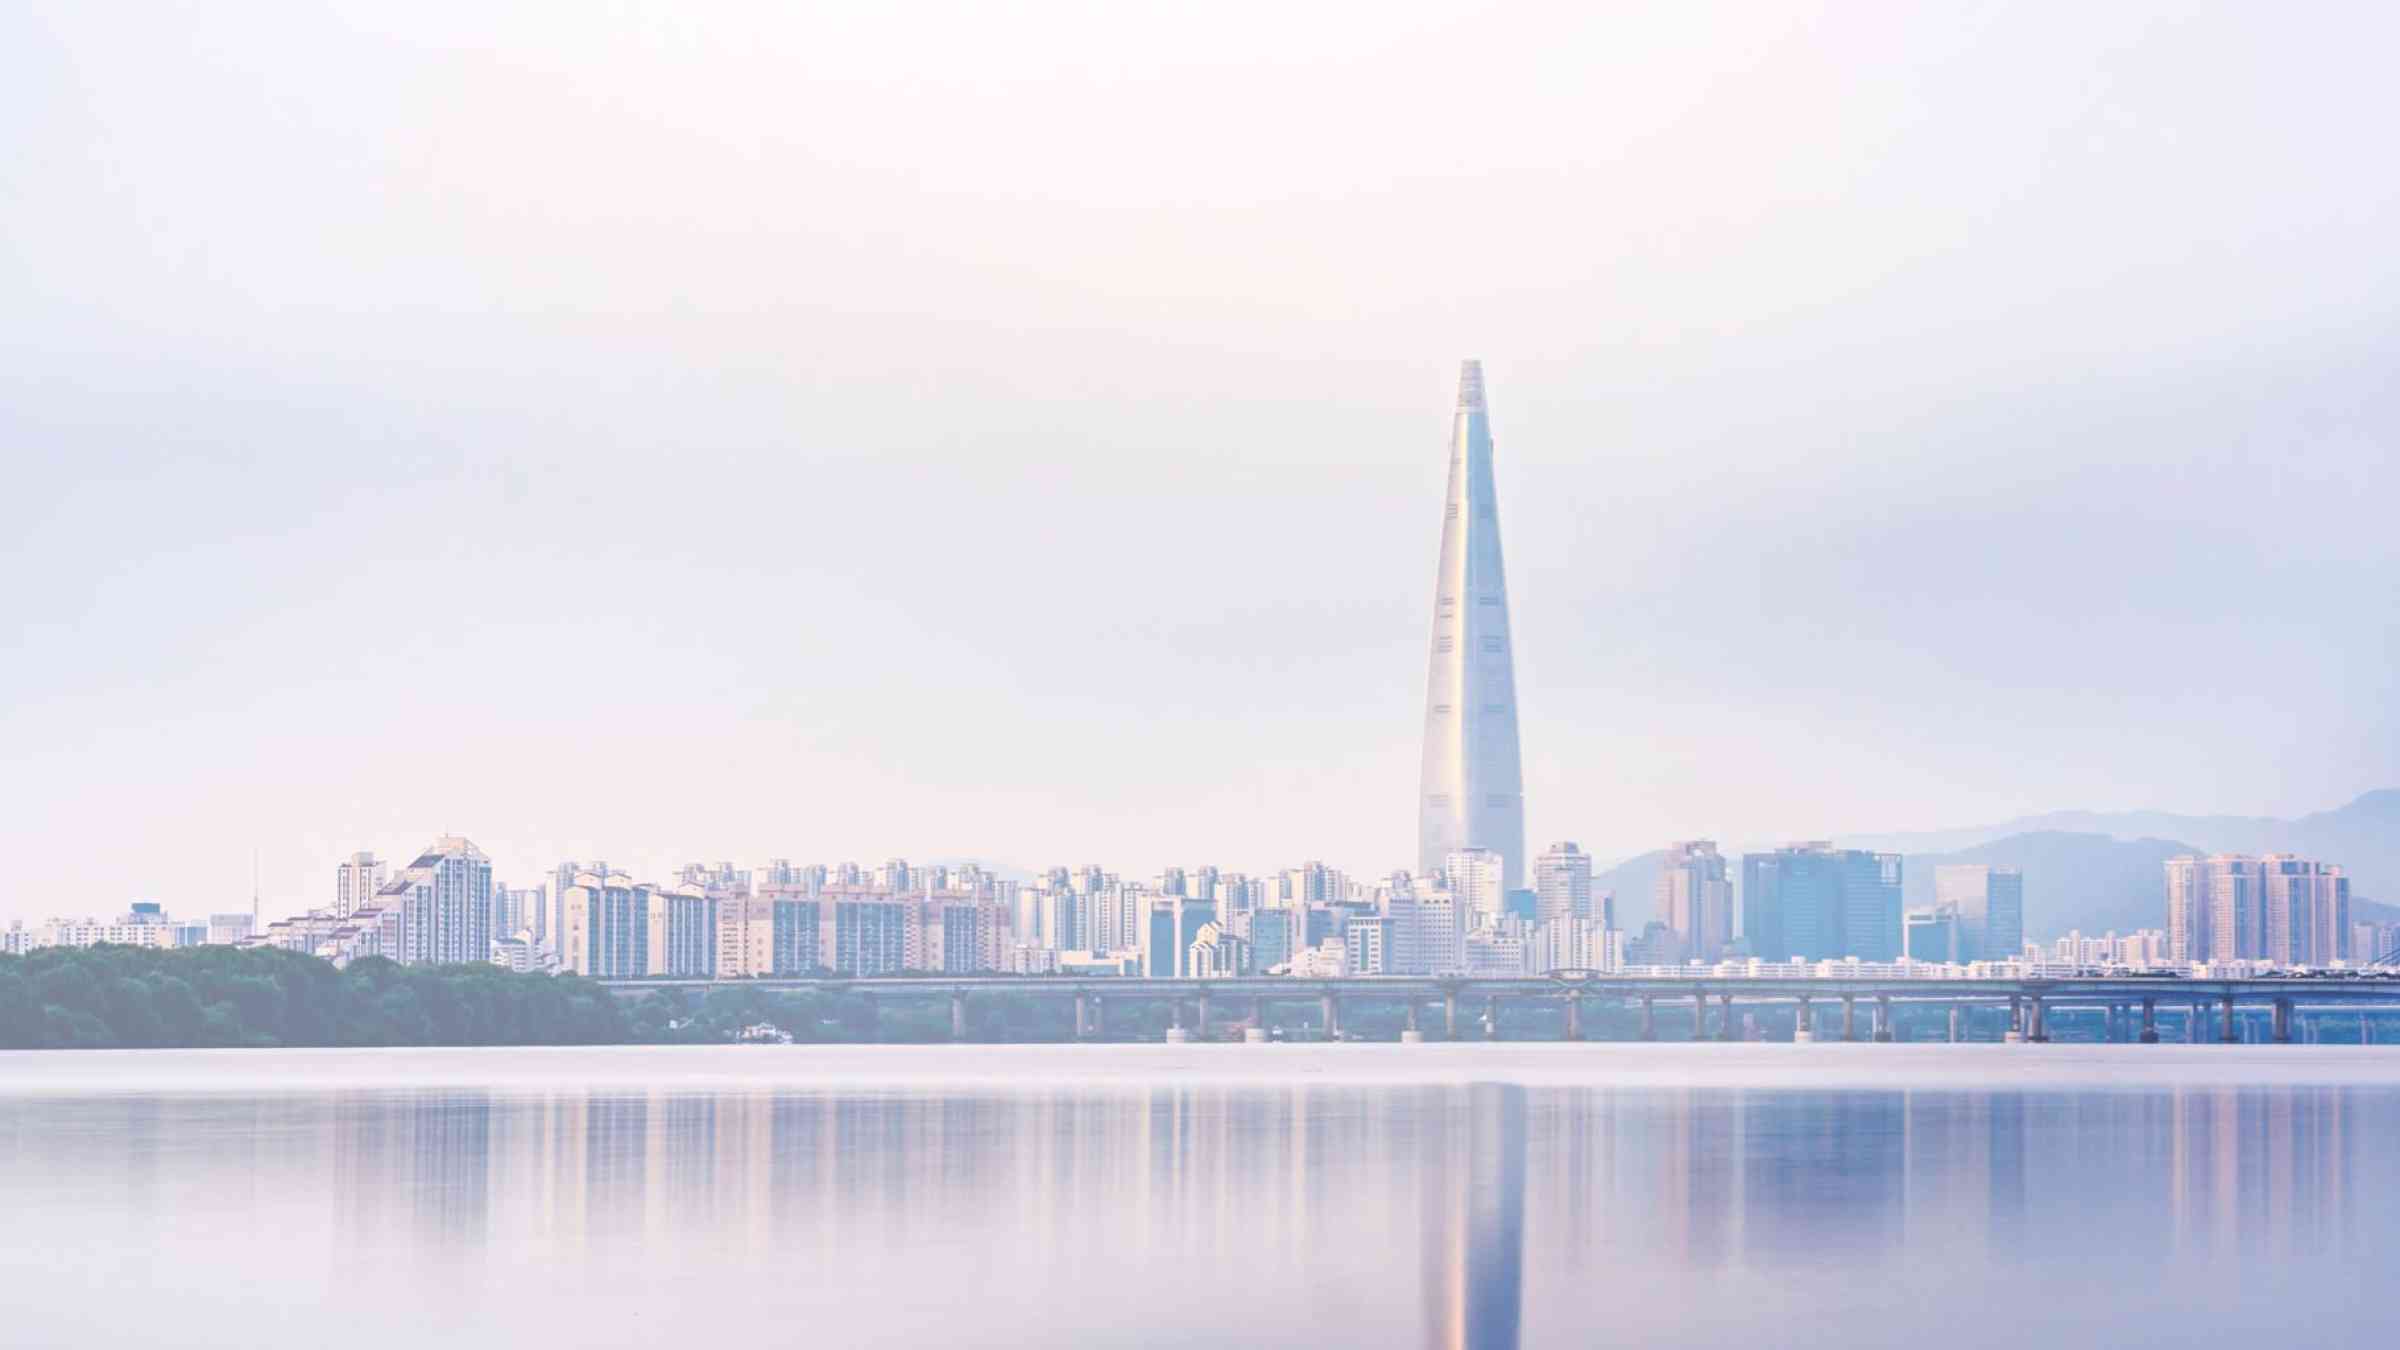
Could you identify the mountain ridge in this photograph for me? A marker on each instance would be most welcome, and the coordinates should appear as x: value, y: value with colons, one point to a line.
x: 2096, y: 871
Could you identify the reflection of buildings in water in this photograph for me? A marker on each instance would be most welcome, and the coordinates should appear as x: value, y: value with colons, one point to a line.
x: 1615, y: 1191
x: 1963, y: 1179
x: 1823, y: 1177
x: 1696, y: 1179
x: 2264, y: 1171
x: 411, y: 1166
x: 1473, y: 1223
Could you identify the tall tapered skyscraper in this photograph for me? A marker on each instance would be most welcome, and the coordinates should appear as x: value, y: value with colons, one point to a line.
x: 1471, y: 793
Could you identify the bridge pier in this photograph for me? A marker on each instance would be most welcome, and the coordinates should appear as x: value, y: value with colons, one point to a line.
x: 1330, y: 1004
x: 1849, y: 1017
x: 1200, y: 1016
x: 2283, y: 1021
x: 1099, y: 1018
x: 1649, y: 1019
x: 1725, y: 1018
x: 1575, y: 1016
x: 1883, y: 1017
x: 1256, y: 1032
x: 1409, y: 1034
x: 1176, y: 1032
x: 1955, y: 1011
x: 2015, y: 1034
x: 958, y: 1014
x: 1804, y: 1029
x: 2149, y: 1021
x: 2232, y: 1032
x: 1491, y: 1017
x: 2037, y: 1028
x: 1449, y: 1014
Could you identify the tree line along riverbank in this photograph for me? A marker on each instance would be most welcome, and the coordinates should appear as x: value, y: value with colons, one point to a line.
x: 111, y: 997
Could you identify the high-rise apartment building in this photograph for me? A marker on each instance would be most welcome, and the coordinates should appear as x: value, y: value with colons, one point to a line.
x: 1990, y: 903
x: 1425, y: 928
x: 1217, y: 953
x: 1562, y: 883
x: 1471, y: 791
x: 2307, y: 911
x: 745, y: 930
x: 2280, y: 908
x: 1695, y: 898
x: 2187, y: 909
x: 1370, y: 943
x: 520, y: 909
x: 355, y: 884
x: 562, y: 877
x: 616, y: 928
x: 1571, y: 943
x: 1478, y: 878
x: 1815, y: 902
x: 1313, y: 883
x: 444, y: 902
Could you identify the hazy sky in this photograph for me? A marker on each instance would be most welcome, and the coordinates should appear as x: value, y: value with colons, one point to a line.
x: 682, y: 432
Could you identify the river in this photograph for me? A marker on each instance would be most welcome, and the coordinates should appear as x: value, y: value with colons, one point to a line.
x: 1302, y: 1195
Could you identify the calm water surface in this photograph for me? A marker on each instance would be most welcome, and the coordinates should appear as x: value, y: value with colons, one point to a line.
x: 1326, y: 1196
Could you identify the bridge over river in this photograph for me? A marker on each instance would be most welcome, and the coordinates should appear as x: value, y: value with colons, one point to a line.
x: 1460, y: 1008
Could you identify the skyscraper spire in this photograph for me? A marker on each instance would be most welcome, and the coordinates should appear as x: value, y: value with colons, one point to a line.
x: 1471, y: 793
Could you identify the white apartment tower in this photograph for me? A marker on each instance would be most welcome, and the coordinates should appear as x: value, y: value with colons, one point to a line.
x: 444, y: 899
x: 1478, y: 877
x: 1562, y: 884
x: 2280, y: 908
x: 355, y: 883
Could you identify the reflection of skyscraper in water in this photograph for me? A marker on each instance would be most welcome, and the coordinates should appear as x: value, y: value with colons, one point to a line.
x: 1475, y: 1223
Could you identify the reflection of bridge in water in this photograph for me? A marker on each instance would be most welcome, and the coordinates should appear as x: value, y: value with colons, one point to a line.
x: 1460, y: 1009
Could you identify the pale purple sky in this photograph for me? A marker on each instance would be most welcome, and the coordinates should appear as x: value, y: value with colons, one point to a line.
x: 895, y: 429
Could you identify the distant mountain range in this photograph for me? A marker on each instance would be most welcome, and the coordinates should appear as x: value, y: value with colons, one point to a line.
x: 2098, y: 871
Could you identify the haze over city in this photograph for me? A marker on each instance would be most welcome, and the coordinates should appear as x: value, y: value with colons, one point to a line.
x: 1018, y: 437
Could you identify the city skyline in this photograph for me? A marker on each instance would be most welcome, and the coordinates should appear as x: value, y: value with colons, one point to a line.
x: 735, y: 671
